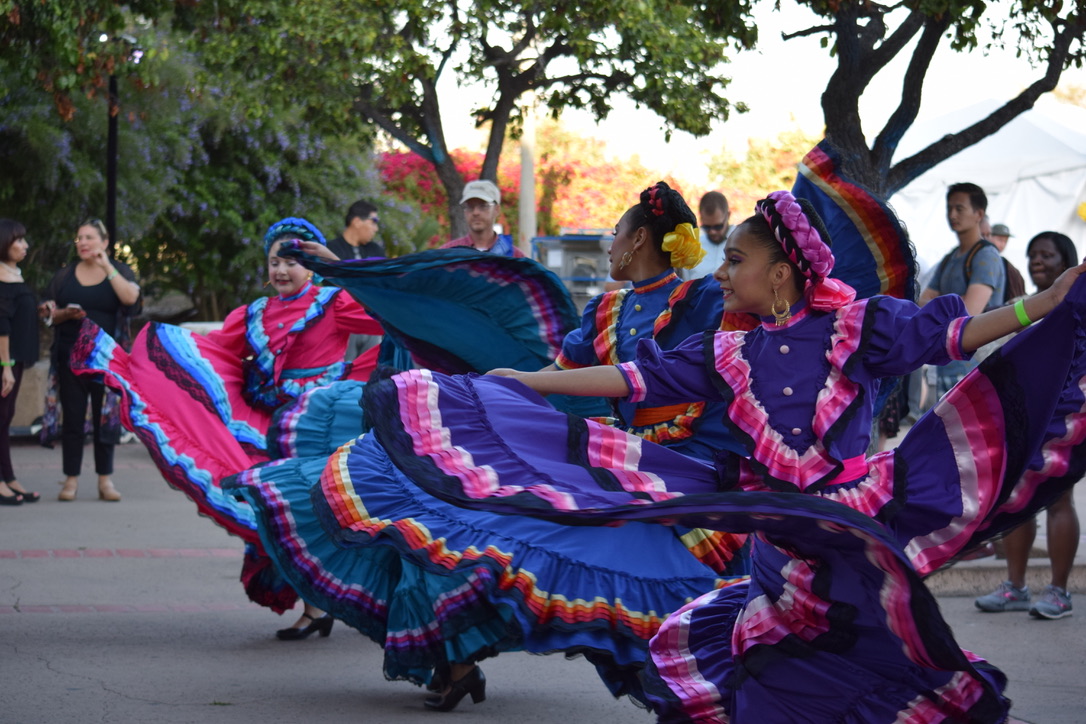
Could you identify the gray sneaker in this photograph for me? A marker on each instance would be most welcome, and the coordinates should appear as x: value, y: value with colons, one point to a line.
x: 1004, y: 598
x: 1054, y: 603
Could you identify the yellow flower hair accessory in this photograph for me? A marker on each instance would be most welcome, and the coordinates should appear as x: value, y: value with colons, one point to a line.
x: 684, y: 247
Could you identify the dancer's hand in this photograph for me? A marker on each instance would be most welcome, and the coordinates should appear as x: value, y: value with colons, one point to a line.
x: 318, y: 250
x: 1056, y: 293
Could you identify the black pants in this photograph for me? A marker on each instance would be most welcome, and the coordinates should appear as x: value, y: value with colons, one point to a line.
x: 74, y: 392
x: 7, y: 414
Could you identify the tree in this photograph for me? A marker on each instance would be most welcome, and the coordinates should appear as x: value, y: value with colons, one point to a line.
x: 866, y: 36
x: 384, y: 61
x: 200, y: 179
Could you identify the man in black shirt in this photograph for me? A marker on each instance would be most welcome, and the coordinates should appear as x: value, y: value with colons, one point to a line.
x: 356, y: 241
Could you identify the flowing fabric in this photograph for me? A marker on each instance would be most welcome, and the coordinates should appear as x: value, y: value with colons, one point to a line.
x: 207, y: 407
x: 459, y: 310
x: 203, y: 405
x: 835, y: 624
x: 434, y: 584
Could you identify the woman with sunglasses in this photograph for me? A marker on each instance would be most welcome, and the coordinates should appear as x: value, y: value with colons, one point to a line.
x: 103, y: 289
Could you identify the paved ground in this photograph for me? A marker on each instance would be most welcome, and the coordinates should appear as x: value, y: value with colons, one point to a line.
x: 131, y: 612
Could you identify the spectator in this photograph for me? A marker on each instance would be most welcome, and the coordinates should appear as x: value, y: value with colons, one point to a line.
x: 713, y: 215
x: 1016, y: 286
x: 973, y: 270
x: 357, y: 242
x: 105, y: 290
x: 1050, y: 254
x: 357, y: 239
x: 481, y: 202
x: 18, y: 349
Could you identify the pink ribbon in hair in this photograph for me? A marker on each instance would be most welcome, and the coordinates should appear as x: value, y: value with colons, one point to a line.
x: 829, y: 294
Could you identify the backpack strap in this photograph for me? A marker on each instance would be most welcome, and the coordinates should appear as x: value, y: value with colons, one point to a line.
x: 967, y: 268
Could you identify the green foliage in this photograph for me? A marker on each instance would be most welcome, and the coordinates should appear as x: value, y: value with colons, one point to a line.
x: 199, y: 180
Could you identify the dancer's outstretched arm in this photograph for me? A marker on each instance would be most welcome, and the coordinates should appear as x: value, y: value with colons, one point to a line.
x: 992, y: 325
x: 602, y: 381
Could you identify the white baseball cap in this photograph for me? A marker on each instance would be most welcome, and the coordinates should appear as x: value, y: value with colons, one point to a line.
x: 484, y: 190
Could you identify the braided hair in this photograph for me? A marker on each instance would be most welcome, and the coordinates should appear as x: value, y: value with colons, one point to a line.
x: 772, y: 230
x: 660, y: 210
x: 293, y: 228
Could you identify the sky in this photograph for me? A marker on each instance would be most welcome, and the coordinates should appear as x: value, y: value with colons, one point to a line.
x: 782, y: 82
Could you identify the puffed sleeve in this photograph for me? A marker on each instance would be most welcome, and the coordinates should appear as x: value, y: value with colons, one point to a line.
x: 578, y: 348
x: 903, y: 336
x: 232, y: 335
x: 658, y: 377
x: 351, y: 317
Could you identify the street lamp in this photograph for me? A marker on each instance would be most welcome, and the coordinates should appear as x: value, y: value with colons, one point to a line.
x: 112, y: 145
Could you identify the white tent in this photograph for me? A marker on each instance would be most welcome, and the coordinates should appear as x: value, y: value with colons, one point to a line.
x: 1033, y: 171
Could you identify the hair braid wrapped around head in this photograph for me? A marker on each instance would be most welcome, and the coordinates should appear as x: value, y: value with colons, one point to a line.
x: 800, y: 232
x: 671, y: 223
x: 295, y: 228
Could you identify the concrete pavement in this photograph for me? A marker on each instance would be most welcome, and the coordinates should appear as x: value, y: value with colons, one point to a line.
x: 131, y: 612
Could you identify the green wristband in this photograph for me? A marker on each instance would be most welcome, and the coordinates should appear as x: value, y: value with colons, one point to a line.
x: 109, y: 277
x: 9, y: 363
x: 1020, y: 312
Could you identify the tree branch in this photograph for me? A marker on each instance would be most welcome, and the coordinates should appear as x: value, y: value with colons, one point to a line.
x: 907, y: 170
x: 911, y: 88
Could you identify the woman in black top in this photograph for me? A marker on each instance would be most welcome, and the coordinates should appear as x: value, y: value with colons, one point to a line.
x: 18, y: 349
x: 105, y: 290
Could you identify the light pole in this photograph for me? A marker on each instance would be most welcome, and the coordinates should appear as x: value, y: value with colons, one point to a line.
x: 113, y: 107
x: 111, y: 160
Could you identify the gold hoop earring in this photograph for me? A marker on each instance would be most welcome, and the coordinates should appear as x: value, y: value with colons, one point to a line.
x: 780, y: 316
x: 625, y: 260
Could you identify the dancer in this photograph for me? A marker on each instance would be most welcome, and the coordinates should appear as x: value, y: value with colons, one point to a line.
x: 442, y: 588
x: 835, y: 623
x: 203, y: 404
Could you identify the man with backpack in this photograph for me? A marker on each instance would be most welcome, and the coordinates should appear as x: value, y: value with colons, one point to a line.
x: 974, y: 269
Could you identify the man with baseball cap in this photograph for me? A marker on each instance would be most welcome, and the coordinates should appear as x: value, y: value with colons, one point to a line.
x: 481, y: 202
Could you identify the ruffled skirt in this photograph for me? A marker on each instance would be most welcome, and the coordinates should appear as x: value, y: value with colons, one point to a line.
x: 436, y: 584
x: 836, y: 624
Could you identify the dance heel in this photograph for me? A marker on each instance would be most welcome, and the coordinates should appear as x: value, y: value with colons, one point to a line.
x: 322, y: 625
x: 473, y: 683
x: 67, y: 493
x: 15, y: 499
x: 108, y: 493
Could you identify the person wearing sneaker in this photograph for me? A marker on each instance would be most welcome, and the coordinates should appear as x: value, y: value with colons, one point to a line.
x: 1008, y: 597
x: 1049, y: 253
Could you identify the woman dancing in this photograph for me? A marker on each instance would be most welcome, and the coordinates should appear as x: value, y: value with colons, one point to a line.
x: 441, y: 588
x: 203, y: 404
x: 835, y: 623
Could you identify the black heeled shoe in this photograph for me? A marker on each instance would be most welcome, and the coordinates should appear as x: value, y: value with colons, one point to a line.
x: 322, y: 624
x: 473, y: 683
